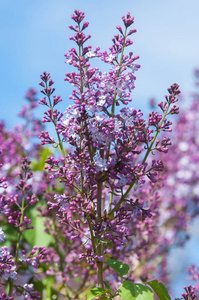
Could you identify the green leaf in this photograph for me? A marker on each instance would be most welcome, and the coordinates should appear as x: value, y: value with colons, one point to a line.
x: 159, y: 289
x: 97, y: 291
x: 108, y: 243
x: 10, y: 233
x: 50, y: 292
x: 38, y: 165
x: 119, y: 267
x: 164, y: 290
x: 106, y: 285
x: 37, y: 236
x: 135, y: 291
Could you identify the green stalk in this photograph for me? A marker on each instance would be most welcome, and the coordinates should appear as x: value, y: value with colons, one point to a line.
x: 118, y: 74
x: 97, y: 249
x: 115, y: 93
x: 80, y: 69
x: 111, y: 197
x: 99, y: 245
x: 92, y: 235
x: 54, y: 122
x: 155, y: 136
x: 11, y: 281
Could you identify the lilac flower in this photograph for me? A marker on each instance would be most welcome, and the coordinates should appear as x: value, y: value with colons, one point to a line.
x: 7, y: 267
x: 98, y: 183
x: 108, y: 149
x: 2, y: 235
x: 128, y: 21
x: 100, y: 163
x: 193, y: 271
x: 29, y: 293
x: 189, y: 293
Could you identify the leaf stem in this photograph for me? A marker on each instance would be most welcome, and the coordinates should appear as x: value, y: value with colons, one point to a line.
x: 98, y: 224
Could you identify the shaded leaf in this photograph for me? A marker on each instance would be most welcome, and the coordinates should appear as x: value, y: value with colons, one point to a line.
x: 37, y: 236
x: 119, y: 267
x: 159, y: 289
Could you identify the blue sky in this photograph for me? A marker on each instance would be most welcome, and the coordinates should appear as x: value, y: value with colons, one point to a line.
x: 34, y: 37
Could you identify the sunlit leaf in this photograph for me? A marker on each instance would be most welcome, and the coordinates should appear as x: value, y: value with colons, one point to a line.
x: 135, y: 291
x: 95, y: 292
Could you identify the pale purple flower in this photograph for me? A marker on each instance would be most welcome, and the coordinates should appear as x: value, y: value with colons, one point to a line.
x: 100, y: 163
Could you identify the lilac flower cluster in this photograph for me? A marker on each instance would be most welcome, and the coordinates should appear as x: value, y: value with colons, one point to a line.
x: 181, y: 179
x: 101, y: 196
x: 193, y: 271
x: 176, y: 195
x: 189, y: 293
x: 8, y: 271
x: 15, y: 199
x: 33, y: 125
x: 109, y: 150
x: 7, y: 265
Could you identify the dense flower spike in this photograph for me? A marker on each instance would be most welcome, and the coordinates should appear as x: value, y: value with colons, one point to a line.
x: 16, y: 194
x: 109, y: 150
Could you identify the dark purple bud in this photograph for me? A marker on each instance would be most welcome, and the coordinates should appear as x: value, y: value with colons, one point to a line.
x: 128, y: 20
x: 120, y: 29
x: 85, y: 25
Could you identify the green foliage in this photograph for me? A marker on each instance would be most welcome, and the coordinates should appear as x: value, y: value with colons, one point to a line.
x: 95, y: 292
x: 50, y: 292
x: 131, y: 291
x: 119, y: 267
x: 37, y: 236
x: 10, y: 233
x: 38, y: 165
x: 159, y: 289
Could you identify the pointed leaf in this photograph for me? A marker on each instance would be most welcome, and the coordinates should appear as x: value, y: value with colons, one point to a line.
x: 135, y: 291
x: 159, y: 289
x: 106, y: 285
x: 164, y: 290
x: 119, y: 267
x: 96, y: 292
